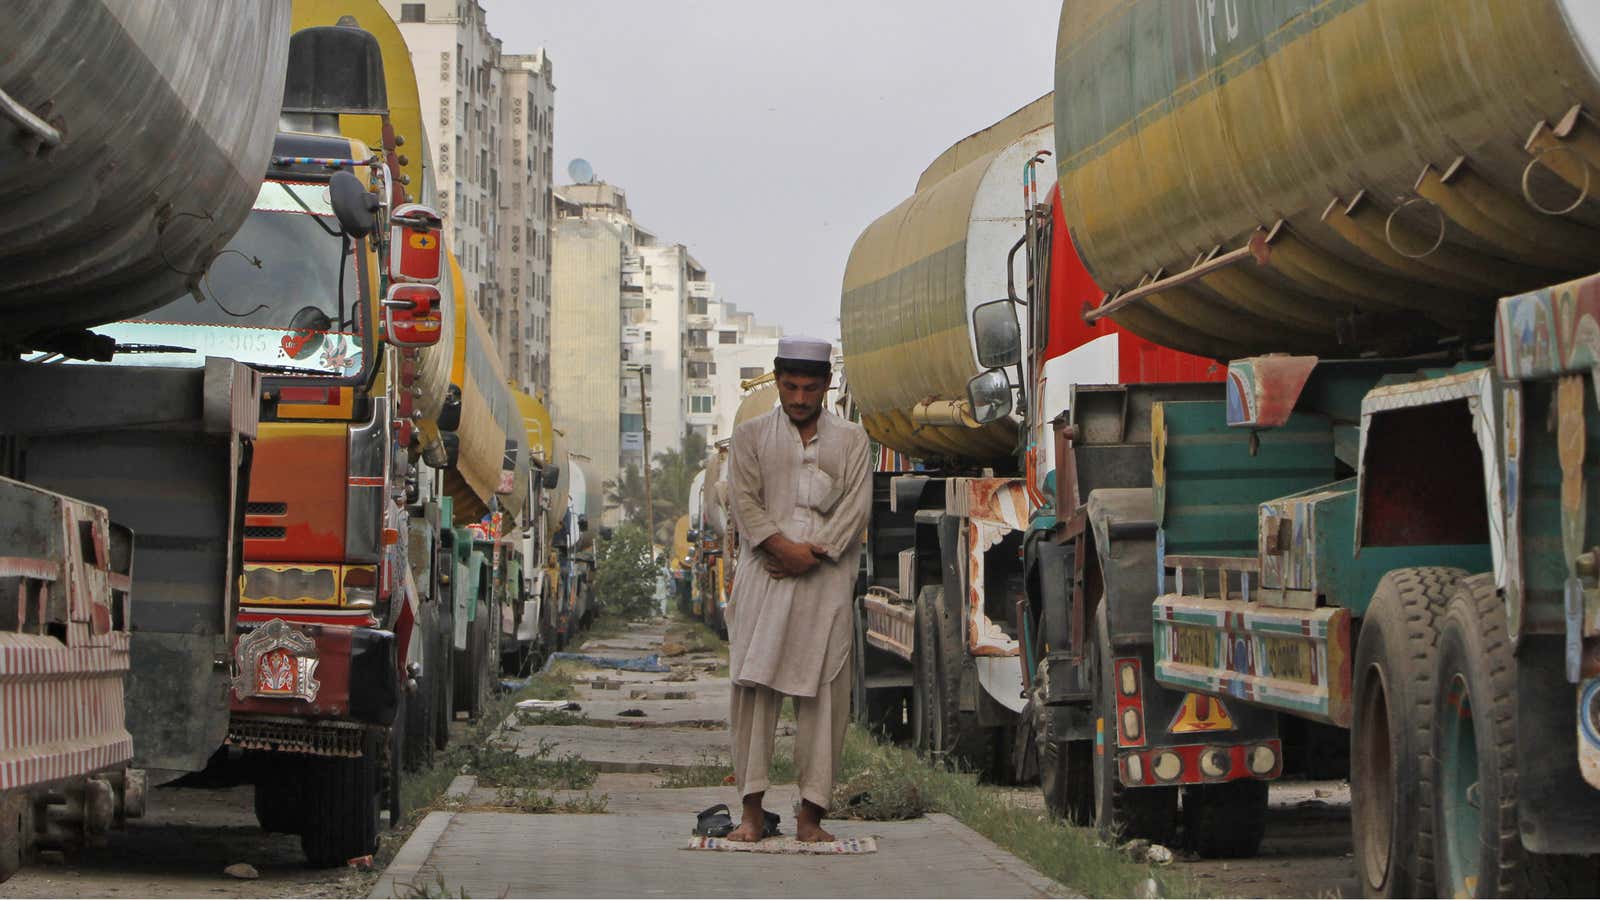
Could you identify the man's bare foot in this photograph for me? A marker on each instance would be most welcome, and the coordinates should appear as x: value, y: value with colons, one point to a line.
x: 747, y: 832
x: 812, y: 834
x: 752, y: 822
x: 808, y: 824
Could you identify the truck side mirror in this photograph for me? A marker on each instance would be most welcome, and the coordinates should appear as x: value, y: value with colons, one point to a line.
x: 989, y: 394
x: 551, y: 477
x: 412, y: 315
x: 353, y: 205
x: 997, y: 334
x: 415, y: 253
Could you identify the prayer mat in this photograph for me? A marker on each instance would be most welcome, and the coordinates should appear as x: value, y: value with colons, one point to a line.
x: 787, y: 845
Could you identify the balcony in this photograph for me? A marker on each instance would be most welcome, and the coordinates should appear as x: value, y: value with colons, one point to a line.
x: 702, y: 290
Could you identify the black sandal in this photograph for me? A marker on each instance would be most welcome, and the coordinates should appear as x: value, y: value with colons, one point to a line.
x: 714, y: 822
x: 717, y: 822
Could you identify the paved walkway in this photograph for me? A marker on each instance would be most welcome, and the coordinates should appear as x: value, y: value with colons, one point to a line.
x: 636, y: 847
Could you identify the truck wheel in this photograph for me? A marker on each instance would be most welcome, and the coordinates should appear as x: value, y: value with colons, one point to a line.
x: 1120, y: 812
x: 1225, y: 821
x: 394, y: 766
x: 1066, y: 779
x: 347, y: 794
x: 927, y: 730
x: 858, y: 669
x: 418, y: 724
x: 443, y: 680
x: 16, y: 832
x: 1390, y: 749
x: 1479, y: 848
x: 277, y: 798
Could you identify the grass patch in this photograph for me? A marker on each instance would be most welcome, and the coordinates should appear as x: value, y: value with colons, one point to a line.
x: 551, y: 717
x: 533, y: 801
x: 422, y: 791
x: 714, y: 771
x: 426, y: 890
x: 501, y: 765
x: 692, y: 636
x: 710, y: 771
x: 895, y: 781
x: 607, y: 625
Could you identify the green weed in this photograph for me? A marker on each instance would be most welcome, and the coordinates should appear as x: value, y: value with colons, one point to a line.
x: 499, y: 765
x: 533, y: 801
x: 893, y: 778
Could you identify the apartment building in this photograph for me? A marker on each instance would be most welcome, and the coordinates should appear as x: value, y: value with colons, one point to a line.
x: 490, y: 123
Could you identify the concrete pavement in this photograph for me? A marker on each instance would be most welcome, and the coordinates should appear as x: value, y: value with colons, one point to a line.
x: 636, y: 848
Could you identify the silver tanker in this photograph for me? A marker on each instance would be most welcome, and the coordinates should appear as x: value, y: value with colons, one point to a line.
x: 133, y: 137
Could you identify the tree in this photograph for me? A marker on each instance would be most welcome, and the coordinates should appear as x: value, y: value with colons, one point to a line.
x: 672, y: 476
x: 626, y: 571
x: 627, y: 491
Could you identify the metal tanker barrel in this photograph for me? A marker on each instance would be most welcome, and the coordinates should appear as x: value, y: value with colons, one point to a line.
x: 132, y: 146
x: 583, y: 500
x: 913, y: 278
x: 561, y: 495
x: 1326, y: 177
x: 491, y: 455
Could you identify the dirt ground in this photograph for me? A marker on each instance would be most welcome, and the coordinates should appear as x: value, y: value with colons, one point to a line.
x: 1306, y: 852
x: 180, y: 848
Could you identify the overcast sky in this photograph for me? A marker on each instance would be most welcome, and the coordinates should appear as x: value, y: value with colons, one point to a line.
x: 766, y: 135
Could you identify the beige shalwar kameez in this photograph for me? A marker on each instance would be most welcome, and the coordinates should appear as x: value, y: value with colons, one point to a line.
x: 792, y: 636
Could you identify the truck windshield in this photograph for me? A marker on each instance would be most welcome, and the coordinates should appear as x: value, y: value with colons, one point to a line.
x: 272, y: 297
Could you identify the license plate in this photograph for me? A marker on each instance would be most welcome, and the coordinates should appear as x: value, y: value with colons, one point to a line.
x: 1288, y: 659
x: 1194, y: 646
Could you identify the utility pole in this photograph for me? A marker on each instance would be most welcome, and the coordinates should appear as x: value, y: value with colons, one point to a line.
x: 649, y: 499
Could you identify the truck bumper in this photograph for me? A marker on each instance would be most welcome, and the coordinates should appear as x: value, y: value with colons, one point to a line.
x: 311, y: 687
x: 1164, y: 737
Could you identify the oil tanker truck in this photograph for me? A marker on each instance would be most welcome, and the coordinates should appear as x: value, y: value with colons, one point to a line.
x: 132, y: 141
x: 969, y: 595
x: 1384, y: 524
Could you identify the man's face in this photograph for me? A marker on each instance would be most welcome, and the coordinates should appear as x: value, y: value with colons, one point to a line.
x: 801, y: 395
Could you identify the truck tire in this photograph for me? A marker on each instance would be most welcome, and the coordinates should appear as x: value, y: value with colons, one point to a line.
x: 1479, y: 850
x: 418, y: 724
x: 395, y: 763
x: 1390, y: 749
x: 443, y: 681
x: 1066, y: 779
x: 1225, y: 821
x: 1120, y: 812
x: 927, y: 730
x: 347, y: 794
x: 858, y: 669
x: 16, y: 831
x: 277, y: 798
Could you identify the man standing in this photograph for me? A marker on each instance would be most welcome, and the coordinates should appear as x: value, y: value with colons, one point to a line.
x: 801, y: 489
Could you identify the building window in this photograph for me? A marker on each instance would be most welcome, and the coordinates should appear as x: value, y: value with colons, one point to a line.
x: 413, y: 12
x: 700, y: 403
x: 697, y: 306
x: 748, y: 372
x: 633, y: 422
x: 727, y: 337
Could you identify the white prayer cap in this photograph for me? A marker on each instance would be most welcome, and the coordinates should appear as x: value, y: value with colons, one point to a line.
x: 805, y: 349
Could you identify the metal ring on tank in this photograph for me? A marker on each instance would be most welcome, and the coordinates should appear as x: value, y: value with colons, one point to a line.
x: 1388, y: 229
x: 1538, y: 157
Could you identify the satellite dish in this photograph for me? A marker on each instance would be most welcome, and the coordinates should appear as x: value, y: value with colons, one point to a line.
x: 580, y: 171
